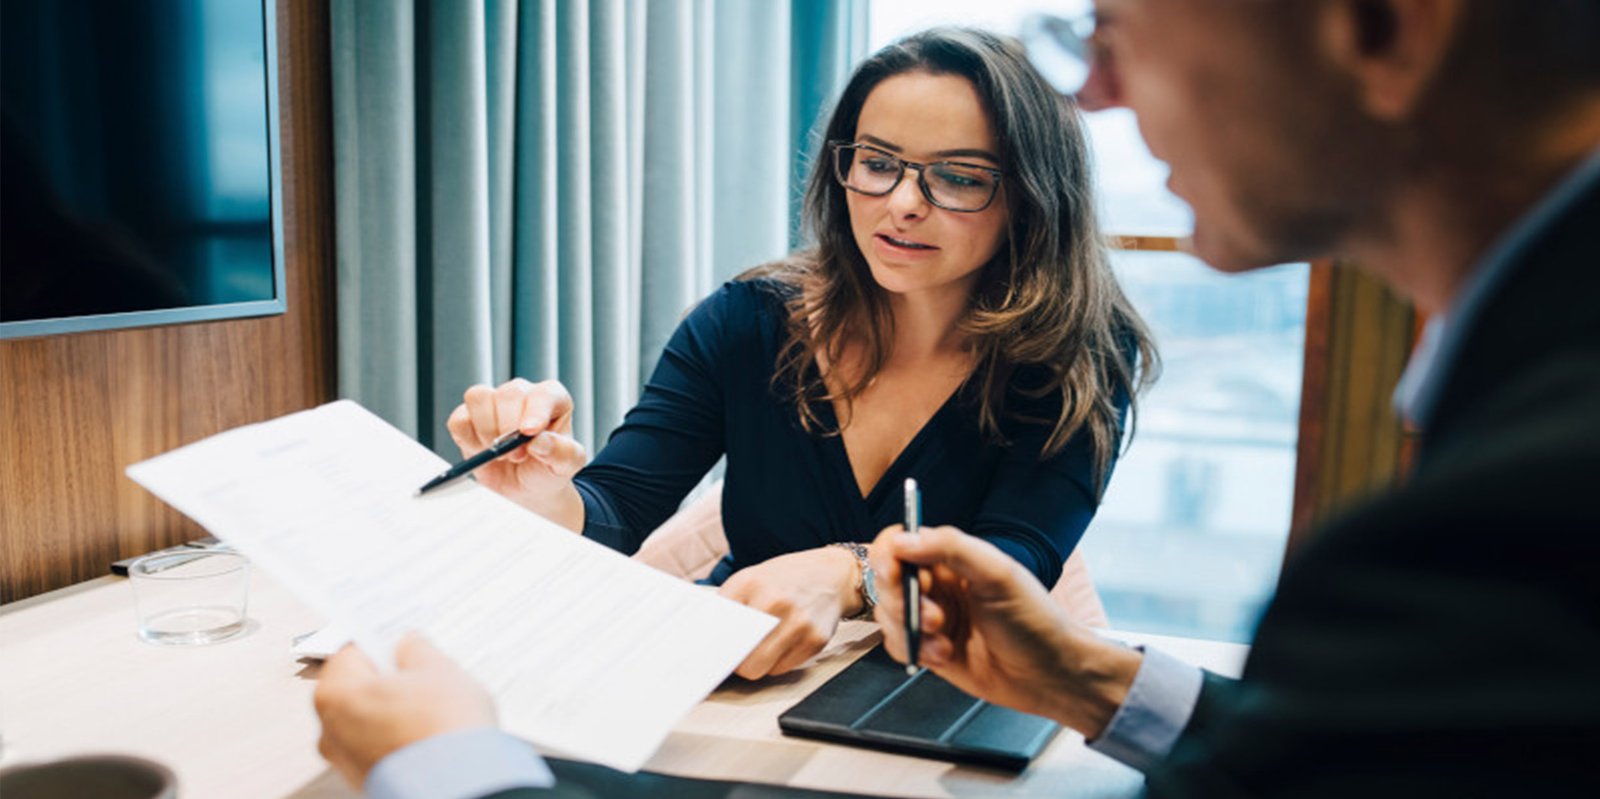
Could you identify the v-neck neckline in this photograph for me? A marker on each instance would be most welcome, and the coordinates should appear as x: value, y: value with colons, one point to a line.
x: 890, y: 477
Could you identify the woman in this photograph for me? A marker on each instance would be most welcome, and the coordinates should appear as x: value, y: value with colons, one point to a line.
x: 955, y: 321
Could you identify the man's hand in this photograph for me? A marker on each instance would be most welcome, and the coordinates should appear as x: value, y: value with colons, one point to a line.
x: 809, y: 591
x: 366, y: 715
x: 993, y: 631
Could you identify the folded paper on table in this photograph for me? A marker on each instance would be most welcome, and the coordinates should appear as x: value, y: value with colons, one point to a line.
x: 589, y: 655
x: 320, y: 644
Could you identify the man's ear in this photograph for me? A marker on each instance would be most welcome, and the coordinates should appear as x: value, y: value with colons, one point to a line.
x: 1391, y: 49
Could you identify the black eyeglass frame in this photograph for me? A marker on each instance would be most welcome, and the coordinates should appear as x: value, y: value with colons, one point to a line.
x: 838, y: 147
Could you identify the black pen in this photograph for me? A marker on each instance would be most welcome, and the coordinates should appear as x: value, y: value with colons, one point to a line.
x: 911, y: 579
x: 501, y: 446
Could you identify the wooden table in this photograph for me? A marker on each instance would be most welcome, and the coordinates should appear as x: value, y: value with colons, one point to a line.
x: 235, y: 720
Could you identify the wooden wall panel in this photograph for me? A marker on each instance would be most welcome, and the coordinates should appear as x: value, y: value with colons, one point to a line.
x: 1358, y: 337
x: 76, y: 409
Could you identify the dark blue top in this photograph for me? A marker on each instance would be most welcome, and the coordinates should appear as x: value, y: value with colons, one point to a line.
x: 787, y: 489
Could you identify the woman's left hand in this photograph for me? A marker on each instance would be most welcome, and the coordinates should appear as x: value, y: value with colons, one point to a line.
x: 809, y: 592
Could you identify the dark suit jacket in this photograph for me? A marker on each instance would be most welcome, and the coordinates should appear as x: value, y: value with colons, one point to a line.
x: 1444, y: 640
x: 587, y: 781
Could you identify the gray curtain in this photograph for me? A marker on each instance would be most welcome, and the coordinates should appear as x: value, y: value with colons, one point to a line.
x: 543, y: 188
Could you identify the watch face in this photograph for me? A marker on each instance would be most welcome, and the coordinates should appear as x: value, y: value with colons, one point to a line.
x: 869, y: 586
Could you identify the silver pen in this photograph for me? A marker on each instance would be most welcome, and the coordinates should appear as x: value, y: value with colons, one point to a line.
x: 911, y: 579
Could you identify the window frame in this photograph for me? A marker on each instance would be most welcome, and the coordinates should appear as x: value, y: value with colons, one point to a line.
x: 1359, y: 336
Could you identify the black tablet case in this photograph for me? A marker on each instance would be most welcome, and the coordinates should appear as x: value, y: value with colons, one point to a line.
x: 873, y: 703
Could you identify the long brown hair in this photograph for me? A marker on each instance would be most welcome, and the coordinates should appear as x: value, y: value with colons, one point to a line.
x: 1048, y: 298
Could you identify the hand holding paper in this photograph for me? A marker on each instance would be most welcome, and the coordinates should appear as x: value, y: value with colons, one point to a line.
x: 366, y: 716
x: 588, y: 654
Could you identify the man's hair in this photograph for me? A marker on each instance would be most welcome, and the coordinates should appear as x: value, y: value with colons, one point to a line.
x: 1537, y: 54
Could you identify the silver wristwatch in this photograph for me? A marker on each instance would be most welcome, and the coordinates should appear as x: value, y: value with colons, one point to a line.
x: 867, y: 587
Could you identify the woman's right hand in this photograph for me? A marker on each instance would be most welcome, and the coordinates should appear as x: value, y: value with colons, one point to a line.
x: 537, y: 475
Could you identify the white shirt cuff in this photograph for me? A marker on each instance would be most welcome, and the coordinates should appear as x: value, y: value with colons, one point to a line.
x: 1158, y: 707
x: 458, y: 765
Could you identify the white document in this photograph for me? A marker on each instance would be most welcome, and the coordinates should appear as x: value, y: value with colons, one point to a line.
x: 320, y: 644
x: 589, y: 654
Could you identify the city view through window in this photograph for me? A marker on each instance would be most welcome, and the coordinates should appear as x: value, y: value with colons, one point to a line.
x: 1190, y: 535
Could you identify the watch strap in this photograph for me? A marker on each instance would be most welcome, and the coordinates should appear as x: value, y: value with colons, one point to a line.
x: 864, y: 587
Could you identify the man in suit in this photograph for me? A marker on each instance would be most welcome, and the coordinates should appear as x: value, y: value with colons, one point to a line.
x: 1442, y: 640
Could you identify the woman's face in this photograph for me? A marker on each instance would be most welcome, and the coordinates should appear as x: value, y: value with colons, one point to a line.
x: 911, y: 245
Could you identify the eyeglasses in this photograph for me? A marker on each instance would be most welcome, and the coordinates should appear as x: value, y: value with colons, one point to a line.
x: 951, y: 185
x: 1064, y: 49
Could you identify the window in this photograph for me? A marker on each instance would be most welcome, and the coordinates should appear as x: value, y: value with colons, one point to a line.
x: 1191, y: 533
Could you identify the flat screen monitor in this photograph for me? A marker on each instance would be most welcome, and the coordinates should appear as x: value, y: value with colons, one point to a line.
x: 140, y: 164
